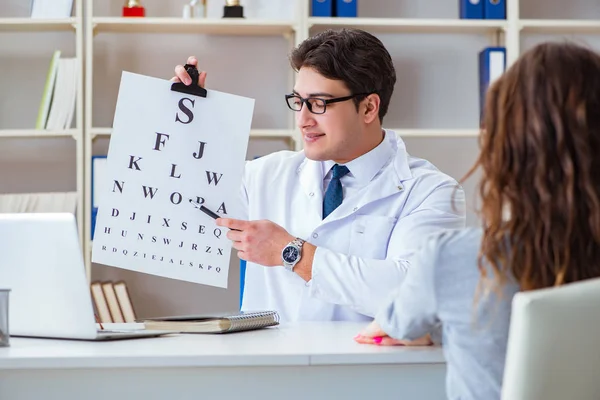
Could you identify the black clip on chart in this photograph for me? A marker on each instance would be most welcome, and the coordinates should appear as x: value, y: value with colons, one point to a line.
x: 193, y: 88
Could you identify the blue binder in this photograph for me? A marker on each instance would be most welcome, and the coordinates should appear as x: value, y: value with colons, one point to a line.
x: 242, y: 280
x: 492, y: 63
x: 345, y: 8
x: 494, y: 9
x: 96, y: 162
x: 94, y: 215
x: 322, y: 8
x: 471, y: 9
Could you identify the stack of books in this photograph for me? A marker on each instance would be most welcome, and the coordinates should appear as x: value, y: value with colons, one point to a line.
x: 112, y: 302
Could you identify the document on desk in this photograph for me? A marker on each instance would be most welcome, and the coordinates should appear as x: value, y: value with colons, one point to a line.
x: 170, y: 152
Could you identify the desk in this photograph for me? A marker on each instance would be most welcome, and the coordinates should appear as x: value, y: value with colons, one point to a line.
x: 288, y: 362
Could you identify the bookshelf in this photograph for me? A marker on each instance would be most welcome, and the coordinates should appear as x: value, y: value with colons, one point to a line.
x: 179, y: 25
x: 559, y: 26
x: 37, y: 133
x: 19, y: 25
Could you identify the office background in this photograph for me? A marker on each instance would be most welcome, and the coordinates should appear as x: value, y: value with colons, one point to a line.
x: 435, y: 103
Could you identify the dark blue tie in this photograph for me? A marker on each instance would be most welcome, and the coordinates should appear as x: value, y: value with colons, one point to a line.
x: 334, y: 194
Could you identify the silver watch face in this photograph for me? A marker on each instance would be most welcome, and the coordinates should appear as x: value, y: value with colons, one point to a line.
x: 290, y: 254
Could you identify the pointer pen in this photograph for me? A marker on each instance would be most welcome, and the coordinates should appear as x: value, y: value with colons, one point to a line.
x: 212, y: 214
x: 209, y: 213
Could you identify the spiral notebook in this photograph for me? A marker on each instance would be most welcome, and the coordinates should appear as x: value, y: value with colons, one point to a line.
x: 214, y: 323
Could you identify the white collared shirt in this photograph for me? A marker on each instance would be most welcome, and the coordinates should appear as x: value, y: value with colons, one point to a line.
x: 362, y: 169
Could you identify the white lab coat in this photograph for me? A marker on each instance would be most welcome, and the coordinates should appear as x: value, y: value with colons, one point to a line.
x: 364, y: 246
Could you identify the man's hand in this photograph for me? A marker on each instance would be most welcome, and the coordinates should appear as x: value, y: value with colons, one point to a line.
x: 260, y: 242
x: 373, y: 334
x: 181, y: 74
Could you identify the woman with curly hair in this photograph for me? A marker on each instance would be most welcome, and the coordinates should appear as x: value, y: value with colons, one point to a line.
x: 540, y: 213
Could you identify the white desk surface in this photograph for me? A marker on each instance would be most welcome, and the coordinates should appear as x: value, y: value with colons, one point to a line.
x: 302, y: 344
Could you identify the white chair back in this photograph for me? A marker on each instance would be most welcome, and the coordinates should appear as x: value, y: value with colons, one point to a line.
x: 554, y: 344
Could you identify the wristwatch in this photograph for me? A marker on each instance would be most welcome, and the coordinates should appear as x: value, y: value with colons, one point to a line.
x: 292, y: 253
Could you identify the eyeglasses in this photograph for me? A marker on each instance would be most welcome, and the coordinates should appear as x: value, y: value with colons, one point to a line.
x: 315, y: 105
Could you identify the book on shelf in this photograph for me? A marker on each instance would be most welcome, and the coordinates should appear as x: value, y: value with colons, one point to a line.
x: 100, y: 303
x: 124, y: 301
x: 63, y: 99
x: 113, y: 304
x: 214, y: 323
x: 44, y: 109
x: 57, y: 106
x: 51, y: 9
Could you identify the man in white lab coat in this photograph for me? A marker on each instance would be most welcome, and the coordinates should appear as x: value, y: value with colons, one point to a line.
x: 329, y: 231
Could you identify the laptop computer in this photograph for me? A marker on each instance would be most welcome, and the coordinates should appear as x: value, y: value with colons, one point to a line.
x: 42, y: 264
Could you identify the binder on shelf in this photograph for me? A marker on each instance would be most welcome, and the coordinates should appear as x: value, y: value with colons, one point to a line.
x: 492, y: 63
x: 494, y: 9
x: 98, y: 179
x: 345, y: 8
x: 322, y: 8
x: 471, y: 9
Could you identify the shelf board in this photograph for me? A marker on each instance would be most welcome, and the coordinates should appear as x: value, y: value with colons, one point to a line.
x: 437, y: 132
x: 257, y: 133
x: 232, y: 26
x: 272, y: 133
x: 559, y: 26
x: 410, y: 25
x: 289, y: 133
x: 37, y: 133
x: 36, y: 25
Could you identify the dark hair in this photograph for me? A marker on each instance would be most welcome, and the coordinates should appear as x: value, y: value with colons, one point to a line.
x: 353, y: 56
x: 540, y: 158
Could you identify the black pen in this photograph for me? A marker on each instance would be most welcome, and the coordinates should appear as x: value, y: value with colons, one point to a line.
x: 208, y: 212
x: 205, y: 210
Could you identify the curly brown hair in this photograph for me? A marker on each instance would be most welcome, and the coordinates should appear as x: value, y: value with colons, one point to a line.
x: 540, y: 160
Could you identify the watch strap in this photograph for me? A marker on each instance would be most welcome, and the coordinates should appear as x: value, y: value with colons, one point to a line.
x: 298, y: 242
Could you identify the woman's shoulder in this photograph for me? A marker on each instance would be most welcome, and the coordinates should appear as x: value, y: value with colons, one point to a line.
x: 453, y: 246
